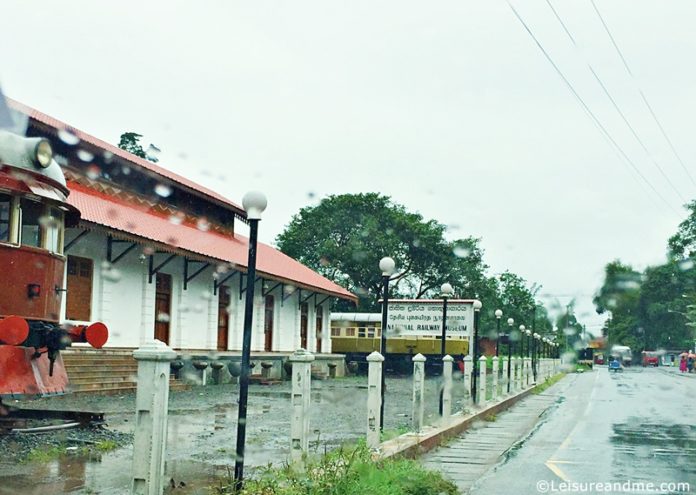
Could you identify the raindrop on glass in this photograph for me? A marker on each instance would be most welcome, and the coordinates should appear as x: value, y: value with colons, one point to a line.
x: 85, y: 155
x: 68, y: 137
x: 93, y: 172
x: 202, y: 224
x: 163, y: 190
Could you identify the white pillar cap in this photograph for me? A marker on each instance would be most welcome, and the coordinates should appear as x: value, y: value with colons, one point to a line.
x: 154, y: 350
x: 482, y: 358
x: 301, y: 356
x: 418, y: 358
x: 448, y: 358
x: 375, y: 357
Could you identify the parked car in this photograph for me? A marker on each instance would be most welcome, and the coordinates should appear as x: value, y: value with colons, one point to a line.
x: 650, y: 358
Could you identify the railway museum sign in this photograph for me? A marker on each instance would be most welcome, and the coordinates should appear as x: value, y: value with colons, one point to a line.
x: 424, y: 317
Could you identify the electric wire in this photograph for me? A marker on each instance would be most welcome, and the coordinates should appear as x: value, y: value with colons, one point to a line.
x: 587, y: 109
x: 642, y: 95
x: 617, y: 108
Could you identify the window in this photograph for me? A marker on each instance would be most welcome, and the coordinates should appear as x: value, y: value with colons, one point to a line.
x: 371, y: 332
x: 53, y: 225
x: 79, y: 284
x: 31, y: 227
x: 361, y: 332
x: 350, y: 332
x: 335, y: 332
x: 5, y: 208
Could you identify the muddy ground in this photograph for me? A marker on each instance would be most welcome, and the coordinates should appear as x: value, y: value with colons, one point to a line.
x: 202, y: 433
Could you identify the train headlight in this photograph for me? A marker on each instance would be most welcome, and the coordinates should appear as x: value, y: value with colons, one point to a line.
x: 43, y: 154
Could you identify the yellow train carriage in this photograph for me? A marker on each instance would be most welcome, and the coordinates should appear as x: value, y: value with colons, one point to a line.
x: 358, y: 334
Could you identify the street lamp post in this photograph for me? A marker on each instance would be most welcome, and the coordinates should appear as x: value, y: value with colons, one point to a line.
x: 510, y: 322
x: 522, y: 329
x: 498, y: 316
x: 254, y: 204
x: 528, y: 333
x: 535, y: 354
x: 477, y: 312
x: 386, y: 266
x: 446, y: 292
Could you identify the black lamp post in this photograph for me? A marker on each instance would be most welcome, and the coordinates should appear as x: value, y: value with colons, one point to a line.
x: 446, y: 291
x: 254, y: 204
x: 527, y: 334
x: 477, y: 313
x: 386, y: 266
x: 510, y: 322
x: 535, y: 354
x: 498, y: 316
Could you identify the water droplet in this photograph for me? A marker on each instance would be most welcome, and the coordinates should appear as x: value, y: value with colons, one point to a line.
x: 108, y: 156
x: 177, y: 218
x: 148, y: 250
x: 112, y: 275
x: 112, y: 213
x: 163, y: 190
x: 93, y: 172
x: 152, y: 153
x: 163, y: 317
x: 202, y: 224
x: 461, y: 251
x: 687, y: 264
x: 85, y: 155
x: 206, y: 295
x: 68, y: 136
x: 61, y: 160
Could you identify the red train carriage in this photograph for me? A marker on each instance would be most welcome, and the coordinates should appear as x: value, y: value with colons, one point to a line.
x: 33, y: 217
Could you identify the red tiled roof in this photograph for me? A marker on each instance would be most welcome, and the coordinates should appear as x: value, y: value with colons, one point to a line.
x: 116, y: 214
x: 136, y: 160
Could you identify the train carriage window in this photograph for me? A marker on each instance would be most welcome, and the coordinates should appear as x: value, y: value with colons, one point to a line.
x: 371, y: 332
x: 335, y: 332
x: 5, y: 209
x: 350, y: 332
x: 31, y: 226
x: 53, y: 225
x: 361, y: 332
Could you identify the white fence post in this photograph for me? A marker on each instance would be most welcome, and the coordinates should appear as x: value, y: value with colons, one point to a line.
x: 468, y: 368
x: 481, y: 394
x: 374, y: 398
x: 447, y: 386
x: 301, y: 398
x: 151, y: 407
x: 494, y: 395
x: 505, y: 377
x: 525, y: 372
x: 518, y: 375
x: 418, y: 391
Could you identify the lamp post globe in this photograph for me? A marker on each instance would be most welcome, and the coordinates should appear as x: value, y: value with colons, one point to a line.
x: 387, y: 266
x: 511, y: 321
x: 254, y: 203
x: 499, y: 313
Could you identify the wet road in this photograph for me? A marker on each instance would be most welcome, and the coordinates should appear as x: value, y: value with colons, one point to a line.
x: 638, y: 426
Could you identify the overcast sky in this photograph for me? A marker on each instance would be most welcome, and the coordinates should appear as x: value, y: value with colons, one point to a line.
x: 449, y: 107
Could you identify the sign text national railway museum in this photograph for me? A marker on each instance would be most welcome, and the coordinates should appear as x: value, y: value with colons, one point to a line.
x: 424, y: 317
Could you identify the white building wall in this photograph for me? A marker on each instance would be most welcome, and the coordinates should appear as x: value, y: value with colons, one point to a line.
x: 124, y: 300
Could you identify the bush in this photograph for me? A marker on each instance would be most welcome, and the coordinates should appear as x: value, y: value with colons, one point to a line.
x: 348, y: 472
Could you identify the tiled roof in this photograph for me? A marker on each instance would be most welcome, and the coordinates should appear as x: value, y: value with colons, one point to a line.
x: 135, y: 160
x: 129, y: 219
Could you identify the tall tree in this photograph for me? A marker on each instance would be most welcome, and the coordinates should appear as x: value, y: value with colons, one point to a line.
x: 130, y: 141
x: 683, y: 243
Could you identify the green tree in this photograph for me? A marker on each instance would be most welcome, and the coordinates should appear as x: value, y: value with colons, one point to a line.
x: 683, y: 243
x: 130, y: 141
x: 345, y: 236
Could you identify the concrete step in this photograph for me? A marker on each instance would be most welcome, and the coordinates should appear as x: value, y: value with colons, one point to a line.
x: 108, y: 371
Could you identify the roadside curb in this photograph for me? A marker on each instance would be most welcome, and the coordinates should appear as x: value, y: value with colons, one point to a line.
x: 411, y: 445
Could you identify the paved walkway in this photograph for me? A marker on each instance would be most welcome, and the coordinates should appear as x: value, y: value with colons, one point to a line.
x: 467, y: 457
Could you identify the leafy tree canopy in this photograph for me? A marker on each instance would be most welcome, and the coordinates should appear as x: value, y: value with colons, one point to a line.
x: 130, y: 141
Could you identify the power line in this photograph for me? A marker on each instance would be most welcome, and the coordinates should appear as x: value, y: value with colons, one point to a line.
x: 587, y: 109
x: 642, y: 95
x: 616, y: 107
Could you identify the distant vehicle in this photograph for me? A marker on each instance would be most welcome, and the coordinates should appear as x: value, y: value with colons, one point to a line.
x: 623, y: 354
x: 615, y: 365
x: 650, y: 358
x: 599, y: 358
x: 586, y: 356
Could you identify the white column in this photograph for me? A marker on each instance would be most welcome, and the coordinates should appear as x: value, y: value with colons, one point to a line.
x: 301, y: 390
x: 447, y: 386
x: 518, y: 373
x: 528, y: 372
x: 481, y: 392
x: 494, y: 396
x: 468, y: 368
x: 505, y: 377
x: 151, y: 404
x: 374, y: 398
x: 418, y: 391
